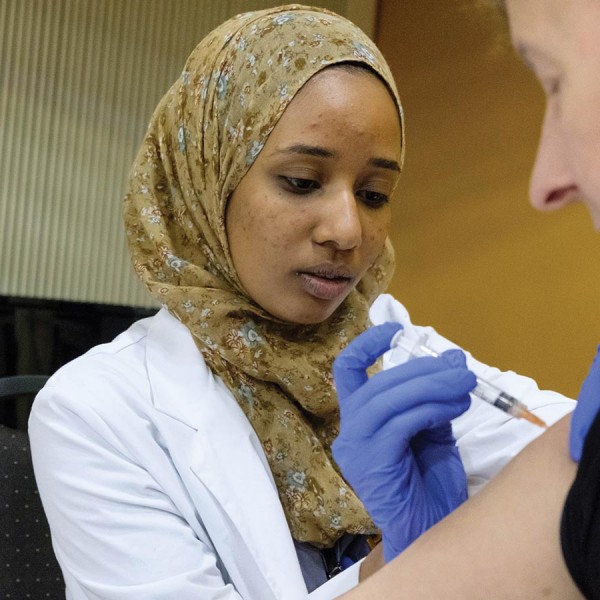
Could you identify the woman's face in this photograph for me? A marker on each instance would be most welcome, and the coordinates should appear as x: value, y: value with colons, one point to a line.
x: 312, y: 213
x: 560, y: 41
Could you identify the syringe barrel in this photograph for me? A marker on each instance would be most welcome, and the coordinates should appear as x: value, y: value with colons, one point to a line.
x: 413, y: 348
x: 494, y: 395
x: 484, y: 390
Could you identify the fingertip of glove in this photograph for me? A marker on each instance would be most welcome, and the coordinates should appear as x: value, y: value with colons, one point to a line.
x: 465, y: 381
x: 391, y: 327
x: 455, y: 358
x: 373, y: 341
x: 377, y: 332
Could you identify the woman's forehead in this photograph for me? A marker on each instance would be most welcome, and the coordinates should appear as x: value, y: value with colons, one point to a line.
x: 339, y: 103
x: 247, y: 72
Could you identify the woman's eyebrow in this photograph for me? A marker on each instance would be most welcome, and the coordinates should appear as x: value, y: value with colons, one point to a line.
x: 310, y: 150
x: 381, y: 163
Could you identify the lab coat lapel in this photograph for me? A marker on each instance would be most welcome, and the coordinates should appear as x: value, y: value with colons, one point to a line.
x: 226, y: 456
x: 234, y: 472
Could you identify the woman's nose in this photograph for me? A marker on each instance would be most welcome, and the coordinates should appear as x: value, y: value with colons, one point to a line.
x: 339, y: 222
x: 552, y: 185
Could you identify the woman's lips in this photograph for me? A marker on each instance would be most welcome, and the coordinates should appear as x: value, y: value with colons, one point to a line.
x: 325, y: 286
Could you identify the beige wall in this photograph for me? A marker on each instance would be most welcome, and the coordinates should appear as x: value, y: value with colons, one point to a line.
x: 518, y: 288
x: 79, y: 81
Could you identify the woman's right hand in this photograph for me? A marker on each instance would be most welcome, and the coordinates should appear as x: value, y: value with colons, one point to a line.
x: 395, y: 445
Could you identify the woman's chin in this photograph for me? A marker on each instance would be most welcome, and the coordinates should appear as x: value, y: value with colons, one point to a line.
x: 311, y: 312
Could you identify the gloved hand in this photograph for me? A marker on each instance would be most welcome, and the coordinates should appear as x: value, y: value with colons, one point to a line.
x: 395, y: 446
x: 588, y: 404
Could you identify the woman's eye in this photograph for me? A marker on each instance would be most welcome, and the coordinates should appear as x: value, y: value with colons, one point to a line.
x: 298, y: 185
x: 373, y: 199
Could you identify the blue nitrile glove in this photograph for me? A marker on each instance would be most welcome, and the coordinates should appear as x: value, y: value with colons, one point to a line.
x: 588, y: 404
x: 395, y: 446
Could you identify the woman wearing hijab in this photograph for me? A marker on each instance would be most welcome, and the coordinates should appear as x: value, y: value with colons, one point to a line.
x: 191, y: 457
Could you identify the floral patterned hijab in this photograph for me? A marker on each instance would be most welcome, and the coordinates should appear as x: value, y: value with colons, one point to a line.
x: 204, y: 136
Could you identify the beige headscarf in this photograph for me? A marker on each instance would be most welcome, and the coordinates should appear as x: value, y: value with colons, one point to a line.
x: 204, y: 136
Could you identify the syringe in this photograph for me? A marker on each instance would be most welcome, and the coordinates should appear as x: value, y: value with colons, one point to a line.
x: 483, y: 390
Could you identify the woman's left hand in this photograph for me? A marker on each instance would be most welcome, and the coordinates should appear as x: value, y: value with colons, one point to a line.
x: 395, y: 445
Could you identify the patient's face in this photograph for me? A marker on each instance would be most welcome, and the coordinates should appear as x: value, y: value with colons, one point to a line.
x: 560, y: 41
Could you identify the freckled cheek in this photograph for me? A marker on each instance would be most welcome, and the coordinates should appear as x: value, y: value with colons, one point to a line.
x: 373, y: 241
x: 376, y: 244
x: 270, y: 241
x: 377, y: 231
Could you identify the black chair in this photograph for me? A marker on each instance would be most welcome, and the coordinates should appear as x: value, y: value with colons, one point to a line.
x: 21, y: 384
x: 28, y: 566
x: 16, y: 397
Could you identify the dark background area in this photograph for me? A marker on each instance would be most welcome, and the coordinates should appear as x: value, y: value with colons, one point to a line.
x: 38, y: 336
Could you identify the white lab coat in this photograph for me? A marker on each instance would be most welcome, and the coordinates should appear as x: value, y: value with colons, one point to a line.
x: 156, y: 487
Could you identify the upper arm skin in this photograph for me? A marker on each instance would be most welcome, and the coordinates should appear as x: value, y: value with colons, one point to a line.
x: 502, y: 543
